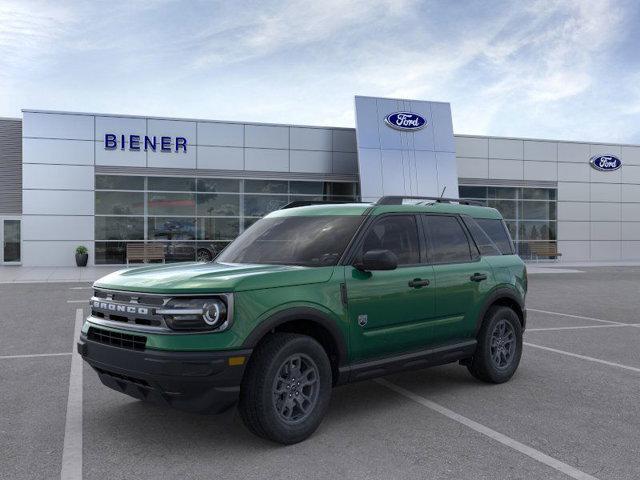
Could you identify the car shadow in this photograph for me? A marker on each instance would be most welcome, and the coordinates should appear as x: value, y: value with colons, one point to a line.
x: 139, y: 421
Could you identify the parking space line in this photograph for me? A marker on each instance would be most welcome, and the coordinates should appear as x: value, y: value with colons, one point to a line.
x: 494, y: 435
x: 78, y: 301
x: 80, y: 288
x: 577, y: 316
x: 72, y: 449
x: 578, y: 327
x: 32, y: 355
x: 583, y: 357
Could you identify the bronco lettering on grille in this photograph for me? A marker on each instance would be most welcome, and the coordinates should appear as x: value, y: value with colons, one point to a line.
x: 114, y: 307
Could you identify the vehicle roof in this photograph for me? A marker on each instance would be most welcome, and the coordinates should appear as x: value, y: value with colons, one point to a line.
x: 474, y: 211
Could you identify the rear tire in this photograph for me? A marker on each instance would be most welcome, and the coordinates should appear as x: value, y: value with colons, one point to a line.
x: 276, y: 405
x: 499, y: 346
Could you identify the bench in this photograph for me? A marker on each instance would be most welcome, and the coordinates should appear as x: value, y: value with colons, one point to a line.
x: 545, y: 249
x: 143, y: 252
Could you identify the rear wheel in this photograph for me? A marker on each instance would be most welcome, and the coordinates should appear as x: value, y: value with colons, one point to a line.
x: 286, y: 390
x: 204, y: 255
x: 499, y: 347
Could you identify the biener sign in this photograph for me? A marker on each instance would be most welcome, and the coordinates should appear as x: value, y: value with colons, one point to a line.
x: 146, y: 143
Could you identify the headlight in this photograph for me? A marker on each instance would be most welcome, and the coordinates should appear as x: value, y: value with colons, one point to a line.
x: 196, y: 314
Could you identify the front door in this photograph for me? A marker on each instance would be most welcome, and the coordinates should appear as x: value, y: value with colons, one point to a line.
x: 10, y: 240
x: 389, y: 311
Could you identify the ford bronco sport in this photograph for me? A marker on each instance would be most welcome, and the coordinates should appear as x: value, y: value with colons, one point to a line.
x: 308, y: 298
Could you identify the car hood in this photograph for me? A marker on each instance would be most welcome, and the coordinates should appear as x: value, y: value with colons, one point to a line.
x: 211, y: 277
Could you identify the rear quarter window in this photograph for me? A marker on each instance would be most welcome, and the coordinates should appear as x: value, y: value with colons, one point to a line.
x: 498, y: 233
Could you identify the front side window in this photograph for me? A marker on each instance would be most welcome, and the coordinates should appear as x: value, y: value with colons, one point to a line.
x: 398, y: 234
x: 447, y: 241
x: 312, y: 241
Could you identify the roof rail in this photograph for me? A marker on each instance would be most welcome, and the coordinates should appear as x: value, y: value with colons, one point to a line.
x: 398, y: 200
x: 306, y: 203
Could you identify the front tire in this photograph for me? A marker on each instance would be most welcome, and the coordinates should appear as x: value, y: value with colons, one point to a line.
x: 286, y: 390
x: 499, y: 347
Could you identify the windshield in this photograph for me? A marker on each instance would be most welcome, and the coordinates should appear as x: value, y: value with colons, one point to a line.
x: 313, y: 241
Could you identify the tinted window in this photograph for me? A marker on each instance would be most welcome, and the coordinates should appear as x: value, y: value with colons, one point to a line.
x: 485, y: 244
x: 176, y: 184
x: 117, y: 182
x: 398, y: 234
x: 448, y: 242
x: 494, y: 228
x: 313, y: 241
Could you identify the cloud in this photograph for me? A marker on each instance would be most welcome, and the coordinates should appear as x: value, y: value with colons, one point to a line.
x: 508, y: 68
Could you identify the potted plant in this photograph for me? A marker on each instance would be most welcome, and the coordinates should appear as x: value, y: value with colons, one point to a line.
x: 82, y: 255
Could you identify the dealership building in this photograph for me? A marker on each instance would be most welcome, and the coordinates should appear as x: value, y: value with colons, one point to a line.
x: 191, y: 186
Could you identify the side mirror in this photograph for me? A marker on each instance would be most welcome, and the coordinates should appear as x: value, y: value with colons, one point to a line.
x: 377, y: 260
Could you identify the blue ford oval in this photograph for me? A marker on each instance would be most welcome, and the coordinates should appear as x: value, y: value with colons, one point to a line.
x: 405, y: 121
x: 605, y: 163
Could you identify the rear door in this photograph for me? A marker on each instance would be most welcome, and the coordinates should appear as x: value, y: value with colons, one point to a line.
x: 389, y: 310
x: 462, y: 277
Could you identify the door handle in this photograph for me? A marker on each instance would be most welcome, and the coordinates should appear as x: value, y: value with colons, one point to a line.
x: 418, y: 282
x: 478, y: 277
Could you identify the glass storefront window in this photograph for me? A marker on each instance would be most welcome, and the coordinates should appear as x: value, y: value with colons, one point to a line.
x: 216, y: 228
x: 110, y: 252
x: 192, y: 218
x: 218, y: 204
x: 172, y: 204
x: 213, y: 185
x: 260, y: 205
x: 171, y: 184
x: 473, y: 192
x: 119, y: 203
x: 171, y: 228
x: 307, y: 188
x: 507, y: 208
x: 530, y: 213
x: 119, y: 182
x: 119, y: 228
x: 266, y: 186
x: 538, y: 210
x: 340, y: 189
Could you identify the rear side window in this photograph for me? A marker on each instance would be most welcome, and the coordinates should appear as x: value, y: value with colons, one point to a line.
x: 498, y: 233
x: 485, y: 244
x: 397, y: 233
x: 448, y: 242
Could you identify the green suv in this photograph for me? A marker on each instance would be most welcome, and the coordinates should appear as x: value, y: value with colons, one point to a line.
x: 311, y: 297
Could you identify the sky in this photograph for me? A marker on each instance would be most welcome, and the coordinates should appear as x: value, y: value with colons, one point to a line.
x: 565, y: 69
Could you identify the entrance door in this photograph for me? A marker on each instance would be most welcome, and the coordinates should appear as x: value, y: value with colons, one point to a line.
x: 10, y: 239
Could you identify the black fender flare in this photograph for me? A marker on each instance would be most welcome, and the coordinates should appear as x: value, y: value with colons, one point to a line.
x: 496, y: 295
x: 300, y: 313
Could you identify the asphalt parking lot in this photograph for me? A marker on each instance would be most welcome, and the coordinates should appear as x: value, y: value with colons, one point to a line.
x: 571, y: 411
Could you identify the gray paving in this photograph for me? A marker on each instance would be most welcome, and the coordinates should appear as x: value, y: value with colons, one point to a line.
x: 581, y: 413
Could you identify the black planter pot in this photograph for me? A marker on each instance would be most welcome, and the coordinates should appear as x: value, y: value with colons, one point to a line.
x: 81, y: 259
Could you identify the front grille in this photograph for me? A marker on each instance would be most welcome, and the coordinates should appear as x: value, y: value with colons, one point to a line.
x: 117, y: 339
x: 128, y: 308
x: 127, y: 297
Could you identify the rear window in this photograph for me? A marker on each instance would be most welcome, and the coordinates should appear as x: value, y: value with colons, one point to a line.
x: 498, y: 233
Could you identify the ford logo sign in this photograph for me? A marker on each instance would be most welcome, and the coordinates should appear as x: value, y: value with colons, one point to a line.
x: 405, y: 121
x: 605, y: 163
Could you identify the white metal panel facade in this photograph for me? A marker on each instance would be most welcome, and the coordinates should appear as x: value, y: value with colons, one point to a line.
x: 598, y: 213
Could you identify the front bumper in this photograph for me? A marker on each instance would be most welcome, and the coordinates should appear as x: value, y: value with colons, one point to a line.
x: 201, y: 382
